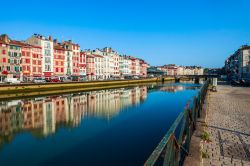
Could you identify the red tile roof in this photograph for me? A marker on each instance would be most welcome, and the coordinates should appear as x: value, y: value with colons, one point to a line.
x: 58, y: 47
x: 99, y: 56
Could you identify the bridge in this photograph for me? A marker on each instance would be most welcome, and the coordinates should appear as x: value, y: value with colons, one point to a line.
x: 196, y: 78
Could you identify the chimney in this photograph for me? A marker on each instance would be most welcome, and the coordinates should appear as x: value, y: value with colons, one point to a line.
x: 50, y: 38
x: 5, y: 38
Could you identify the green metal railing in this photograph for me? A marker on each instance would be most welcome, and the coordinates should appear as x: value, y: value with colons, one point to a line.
x: 174, y: 146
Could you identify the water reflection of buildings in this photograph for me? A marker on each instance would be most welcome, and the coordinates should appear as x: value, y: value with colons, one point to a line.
x: 176, y: 88
x: 43, y: 115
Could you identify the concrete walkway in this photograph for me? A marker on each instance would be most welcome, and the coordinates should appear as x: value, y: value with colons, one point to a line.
x: 228, y: 124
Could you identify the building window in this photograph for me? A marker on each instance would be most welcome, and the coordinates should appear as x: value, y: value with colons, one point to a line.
x: 4, y: 52
x: 47, y: 68
x: 47, y: 60
x: 47, y: 52
x: 4, y: 60
x: 47, y: 45
x: 16, y: 68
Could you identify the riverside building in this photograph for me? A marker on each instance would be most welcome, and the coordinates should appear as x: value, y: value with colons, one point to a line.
x: 47, y: 53
x: 237, y: 65
x: 43, y: 57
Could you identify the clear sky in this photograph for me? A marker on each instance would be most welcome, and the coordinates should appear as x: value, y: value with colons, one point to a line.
x: 184, y: 32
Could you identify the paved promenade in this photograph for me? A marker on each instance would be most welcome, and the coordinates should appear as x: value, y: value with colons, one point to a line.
x: 228, y: 124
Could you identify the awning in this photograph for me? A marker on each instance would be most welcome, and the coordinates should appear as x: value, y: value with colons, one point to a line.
x: 37, y: 75
x: 26, y: 72
x: 5, y: 72
x: 47, y: 74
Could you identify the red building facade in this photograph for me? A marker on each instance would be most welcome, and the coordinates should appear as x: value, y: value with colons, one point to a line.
x: 31, y: 62
x: 143, y: 69
x: 90, y: 59
x: 82, y: 65
x: 59, y: 58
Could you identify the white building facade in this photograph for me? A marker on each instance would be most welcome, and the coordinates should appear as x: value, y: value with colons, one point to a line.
x: 99, y: 67
x: 47, y: 52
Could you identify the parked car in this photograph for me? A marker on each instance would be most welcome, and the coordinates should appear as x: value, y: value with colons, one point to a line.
x: 244, y: 82
x: 235, y: 82
x: 128, y: 77
x: 111, y: 78
x: 55, y: 80
x: 151, y: 76
x: 66, y: 79
x: 39, y: 80
x: 12, y: 81
x: 136, y: 77
x: 82, y: 79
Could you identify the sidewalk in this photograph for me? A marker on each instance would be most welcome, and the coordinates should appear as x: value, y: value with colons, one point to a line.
x: 228, y: 123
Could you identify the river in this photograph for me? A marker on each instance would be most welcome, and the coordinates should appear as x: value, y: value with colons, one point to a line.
x: 106, y: 127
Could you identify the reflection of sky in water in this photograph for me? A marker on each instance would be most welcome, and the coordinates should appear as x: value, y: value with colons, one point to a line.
x: 110, y: 127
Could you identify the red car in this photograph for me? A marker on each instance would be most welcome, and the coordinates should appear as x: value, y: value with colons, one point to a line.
x: 55, y: 80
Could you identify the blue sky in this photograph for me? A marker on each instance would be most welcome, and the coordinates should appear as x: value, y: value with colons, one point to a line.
x: 184, y: 32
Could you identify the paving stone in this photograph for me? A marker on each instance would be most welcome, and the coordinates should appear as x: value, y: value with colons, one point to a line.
x: 228, y: 121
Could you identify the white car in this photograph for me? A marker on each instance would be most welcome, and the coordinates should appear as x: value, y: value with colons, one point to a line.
x: 136, y: 77
x: 12, y: 81
x: 39, y: 80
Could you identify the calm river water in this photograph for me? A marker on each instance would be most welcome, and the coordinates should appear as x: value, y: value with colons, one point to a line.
x: 105, y: 127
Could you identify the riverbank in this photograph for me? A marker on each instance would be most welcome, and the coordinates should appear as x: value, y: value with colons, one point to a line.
x: 227, y: 129
x: 29, y: 90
